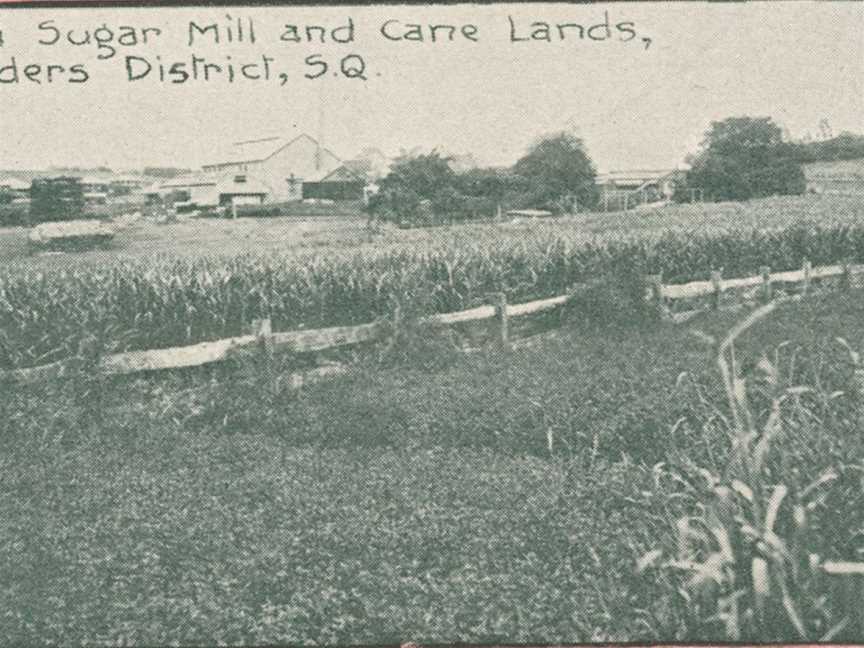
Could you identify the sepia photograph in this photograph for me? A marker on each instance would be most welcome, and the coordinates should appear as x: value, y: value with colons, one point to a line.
x: 428, y: 324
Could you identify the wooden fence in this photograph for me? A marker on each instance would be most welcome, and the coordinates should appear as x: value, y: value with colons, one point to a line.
x: 759, y: 287
x: 260, y: 337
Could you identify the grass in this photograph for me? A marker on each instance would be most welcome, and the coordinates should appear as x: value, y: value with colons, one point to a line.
x: 427, y: 506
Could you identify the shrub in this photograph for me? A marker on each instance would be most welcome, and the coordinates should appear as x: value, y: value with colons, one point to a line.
x: 256, y: 211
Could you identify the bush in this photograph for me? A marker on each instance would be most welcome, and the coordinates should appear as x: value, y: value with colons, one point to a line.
x: 256, y: 211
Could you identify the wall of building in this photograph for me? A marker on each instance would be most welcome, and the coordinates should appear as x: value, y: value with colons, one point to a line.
x: 301, y: 159
x: 840, y: 177
x: 205, y: 196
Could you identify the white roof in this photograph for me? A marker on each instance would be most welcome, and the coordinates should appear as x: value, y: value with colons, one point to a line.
x: 94, y: 180
x: 196, y: 180
x: 258, y: 150
x: 14, y: 183
x: 636, y: 174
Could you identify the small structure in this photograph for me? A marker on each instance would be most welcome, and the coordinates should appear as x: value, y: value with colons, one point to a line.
x: 841, y: 177
x: 15, y: 186
x: 627, y: 189
x: 14, y: 190
x: 126, y: 184
x: 341, y: 184
x: 96, y: 190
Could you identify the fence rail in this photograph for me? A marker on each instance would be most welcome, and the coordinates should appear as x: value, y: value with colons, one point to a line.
x: 303, y: 341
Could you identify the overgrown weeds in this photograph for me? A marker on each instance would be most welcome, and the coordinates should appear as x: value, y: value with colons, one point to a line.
x: 770, y: 542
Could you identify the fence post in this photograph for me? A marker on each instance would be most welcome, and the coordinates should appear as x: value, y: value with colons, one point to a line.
x: 717, y: 282
x: 846, y: 277
x: 395, y: 332
x: 767, y: 288
x: 499, y: 301
x: 262, y: 330
x: 654, y: 284
x: 807, y: 267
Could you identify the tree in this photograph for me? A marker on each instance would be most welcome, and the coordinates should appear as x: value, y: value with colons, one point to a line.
x: 743, y: 158
x: 425, y: 175
x: 558, y: 170
x: 846, y: 146
x: 415, y: 181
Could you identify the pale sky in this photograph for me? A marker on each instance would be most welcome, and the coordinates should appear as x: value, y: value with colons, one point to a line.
x: 798, y: 62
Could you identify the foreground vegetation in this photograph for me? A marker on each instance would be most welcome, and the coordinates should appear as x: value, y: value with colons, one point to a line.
x: 48, y: 315
x: 482, y: 498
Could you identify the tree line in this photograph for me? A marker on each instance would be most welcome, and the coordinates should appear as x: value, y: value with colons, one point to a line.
x: 740, y: 158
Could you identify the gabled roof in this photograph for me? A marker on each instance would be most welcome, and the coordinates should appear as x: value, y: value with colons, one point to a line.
x: 258, y: 150
x: 252, y: 150
x: 342, y: 174
x: 358, y: 167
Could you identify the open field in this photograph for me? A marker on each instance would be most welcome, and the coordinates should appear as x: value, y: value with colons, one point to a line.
x: 320, y: 235
x: 194, y: 507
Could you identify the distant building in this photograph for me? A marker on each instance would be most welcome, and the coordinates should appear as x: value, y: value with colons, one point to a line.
x: 279, y: 165
x: 18, y: 190
x: 340, y: 184
x: 126, y: 184
x: 624, y: 189
x: 96, y: 189
x: 835, y: 177
x: 212, y: 190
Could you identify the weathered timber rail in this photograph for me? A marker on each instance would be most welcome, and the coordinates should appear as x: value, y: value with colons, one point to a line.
x: 261, y: 338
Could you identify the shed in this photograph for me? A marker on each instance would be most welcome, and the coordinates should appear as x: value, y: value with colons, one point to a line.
x: 340, y: 184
